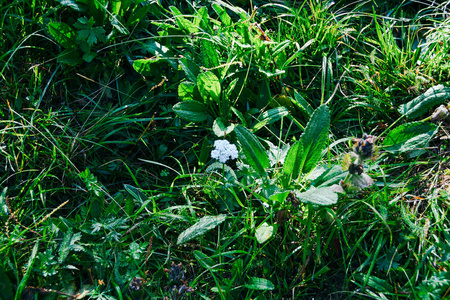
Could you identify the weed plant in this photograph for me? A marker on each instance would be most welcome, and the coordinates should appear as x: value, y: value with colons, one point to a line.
x: 224, y: 150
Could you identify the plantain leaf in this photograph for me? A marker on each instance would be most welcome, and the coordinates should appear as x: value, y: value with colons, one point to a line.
x: 224, y: 17
x: 261, y: 284
x: 315, y: 138
x: 209, y: 87
x: 200, y: 228
x: 408, y: 137
x: 422, y: 104
x: 193, y: 111
x: 291, y: 166
x: 256, y: 156
x: 320, y: 196
x: 271, y: 116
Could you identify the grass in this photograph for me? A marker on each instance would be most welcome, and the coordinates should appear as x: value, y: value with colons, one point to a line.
x: 108, y: 189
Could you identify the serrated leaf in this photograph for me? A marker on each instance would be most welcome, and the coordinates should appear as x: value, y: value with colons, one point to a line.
x: 270, y: 116
x: 315, y: 138
x: 319, y: 196
x: 255, y: 153
x: 260, y: 284
x: 422, y: 104
x: 209, y: 87
x: 263, y: 232
x: 408, y: 137
x: 193, y: 111
x: 221, y: 129
x: 201, y: 227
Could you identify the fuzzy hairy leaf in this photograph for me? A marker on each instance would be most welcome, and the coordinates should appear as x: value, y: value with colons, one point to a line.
x: 200, y: 228
x: 420, y: 105
x: 255, y: 153
x: 408, y: 137
x: 320, y: 196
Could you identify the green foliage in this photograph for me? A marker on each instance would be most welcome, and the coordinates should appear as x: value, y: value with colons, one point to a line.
x: 198, y: 229
x: 110, y: 111
x: 409, y: 137
x: 422, y: 104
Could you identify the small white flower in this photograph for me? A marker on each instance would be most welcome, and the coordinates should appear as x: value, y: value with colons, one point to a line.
x: 224, y: 151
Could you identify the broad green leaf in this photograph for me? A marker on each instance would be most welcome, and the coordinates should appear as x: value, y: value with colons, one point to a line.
x: 29, y: 270
x: 70, y: 56
x: 279, y: 197
x: 115, y: 6
x: 5, y: 284
x: 224, y: 17
x: 408, y: 137
x: 209, y: 54
x: 264, y: 232
x: 319, y: 196
x: 193, y: 111
x: 149, y: 67
x: 422, y: 104
x: 280, y: 47
x: 137, y: 194
x: 186, y: 90
x: 220, y: 128
x: 329, y: 176
x: 260, y: 284
x: 209, y: 87
x: 315, y: 138
x: 4, y: 210
x: 200, y: 228
x: 255, y: 153
x: 137, y: 16
x: 182, y: 22
x: 302, y: 104
x: 190, y: 69
x: 292, y: 163
x: 374, y: 282
x: 89, y: 56
x: 270, y: 116
x: 204, y: 260
x: 240, y: 116
x: 63, y: 34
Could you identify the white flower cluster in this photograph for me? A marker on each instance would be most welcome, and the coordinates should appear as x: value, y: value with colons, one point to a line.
x: 224, y: 151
